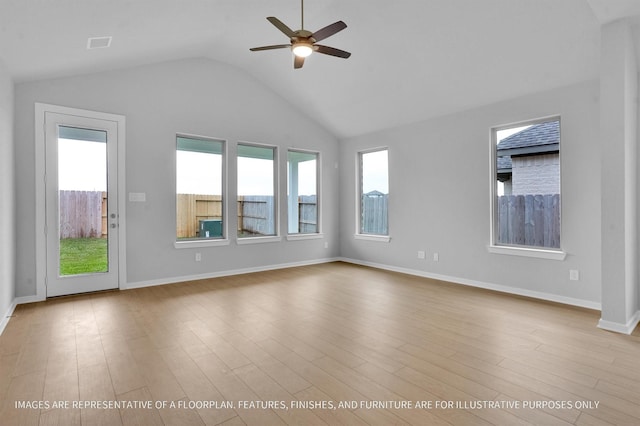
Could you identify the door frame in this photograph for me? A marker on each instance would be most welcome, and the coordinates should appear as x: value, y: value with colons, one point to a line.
x: 40, y: 190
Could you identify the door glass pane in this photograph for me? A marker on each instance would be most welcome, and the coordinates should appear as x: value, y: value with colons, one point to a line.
x: 82, y: 201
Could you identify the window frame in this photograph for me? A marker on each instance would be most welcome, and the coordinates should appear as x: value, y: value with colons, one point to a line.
x: 519, y: 250
x: 359, y: 235
x: 276, y: 208
x: 318, y: 233
x: 212, y: 241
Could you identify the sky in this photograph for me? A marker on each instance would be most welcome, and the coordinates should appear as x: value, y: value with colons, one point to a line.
x: 198, y: 173
x: 201, y: 173
x: 501, y: 134
x: 82, y: 167
x: 375, y: 176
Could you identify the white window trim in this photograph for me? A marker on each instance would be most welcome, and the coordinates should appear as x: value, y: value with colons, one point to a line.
x: 373, y: 237
x: 201, y: 243
x: 212, y: 242
x: 318, y: 233
x: 259, y: 240
x: 525, y: 251
x: 358, y: 235
x: 307, y: 236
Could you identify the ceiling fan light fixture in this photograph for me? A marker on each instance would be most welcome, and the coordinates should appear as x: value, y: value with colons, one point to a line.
x: 302, y: 49
x: 303, y: 42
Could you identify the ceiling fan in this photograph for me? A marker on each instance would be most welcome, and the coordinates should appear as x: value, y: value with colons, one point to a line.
x: 303, y: 42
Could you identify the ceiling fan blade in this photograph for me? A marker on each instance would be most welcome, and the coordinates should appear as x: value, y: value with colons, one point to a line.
x: 281, y: 26
x: 276, y: 46
x: 332, y: 51
x: 329, y: 30
x: 298, y: 61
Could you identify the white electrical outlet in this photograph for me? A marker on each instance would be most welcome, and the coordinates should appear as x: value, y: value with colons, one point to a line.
x: 421, y: 254
x: 436, y: 257
x: 198, y: 257
x: 574, y: 275
x: 326, y: 244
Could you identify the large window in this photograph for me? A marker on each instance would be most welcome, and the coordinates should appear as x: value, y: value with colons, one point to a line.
x: 302, y: 189
x: 256, y: 191
x: 526, y: 183
x: 199, y: 184
x: 373, y: 192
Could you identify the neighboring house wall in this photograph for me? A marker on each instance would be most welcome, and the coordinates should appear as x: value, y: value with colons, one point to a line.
x: 536, y: 174
x: 507, y: 188
x: 451, y: 217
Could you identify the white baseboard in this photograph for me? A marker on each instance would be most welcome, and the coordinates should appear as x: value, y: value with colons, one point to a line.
x: 5, y: 318
x: 16, y: 301
x: 172, y: 280
x: 29, y: 299
x: 488, y: 286
x: 619, y: 327
x: 607, y: 325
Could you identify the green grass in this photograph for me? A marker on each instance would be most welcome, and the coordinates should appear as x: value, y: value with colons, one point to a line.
x: 83, y: 256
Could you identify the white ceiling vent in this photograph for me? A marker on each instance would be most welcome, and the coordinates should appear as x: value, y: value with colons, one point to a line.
x: 98, y: 42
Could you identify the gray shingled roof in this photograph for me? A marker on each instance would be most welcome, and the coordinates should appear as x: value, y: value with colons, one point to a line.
x: 504, y: 163
x: 543, y: 134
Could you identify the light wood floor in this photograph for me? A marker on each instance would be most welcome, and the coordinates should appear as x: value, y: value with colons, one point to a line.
x: 320, y: 334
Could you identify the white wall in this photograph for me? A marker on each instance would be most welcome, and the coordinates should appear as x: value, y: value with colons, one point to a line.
x: 196, y: 96
x: 439, y: 198
x: 7, y: 197
x: 619, y: 118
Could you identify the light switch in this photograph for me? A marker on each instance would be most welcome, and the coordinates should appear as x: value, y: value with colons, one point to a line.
x: 137, y: 197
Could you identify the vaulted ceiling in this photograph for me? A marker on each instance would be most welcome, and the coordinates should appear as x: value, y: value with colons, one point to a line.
x: 411, y: 59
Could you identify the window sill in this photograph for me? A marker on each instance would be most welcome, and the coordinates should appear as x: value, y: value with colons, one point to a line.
x: 371, y: 237
x: 528, y: 252
x: 258, y: 240
x: 201, y: 243
x: 314, y: 236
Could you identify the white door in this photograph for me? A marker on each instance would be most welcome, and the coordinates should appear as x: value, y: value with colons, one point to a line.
x: 81, y: 172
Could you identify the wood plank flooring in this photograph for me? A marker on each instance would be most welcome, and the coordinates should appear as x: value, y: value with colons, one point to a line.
x: 325, y: 344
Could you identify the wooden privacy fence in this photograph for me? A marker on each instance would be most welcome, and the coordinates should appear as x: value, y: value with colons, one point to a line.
x: 374, y: 213
x: 83, y: 214
x: 255, y: 214
x: 307, y: 214
x: 192, y: 208
x: 531, y: 220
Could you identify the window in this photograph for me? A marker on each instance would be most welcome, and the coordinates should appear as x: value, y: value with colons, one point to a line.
x: 373, y: 192
x: 302, y: 190
x: 199, y: 183
x: 526, y: 185
x: 256, y: 191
